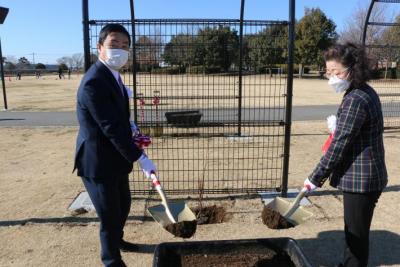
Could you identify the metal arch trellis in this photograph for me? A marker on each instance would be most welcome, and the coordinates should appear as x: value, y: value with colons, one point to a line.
x: 215, y: 128
x: 387, y: 67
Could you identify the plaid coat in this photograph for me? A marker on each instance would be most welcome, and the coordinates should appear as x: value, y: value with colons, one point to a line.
x: 355, y: 160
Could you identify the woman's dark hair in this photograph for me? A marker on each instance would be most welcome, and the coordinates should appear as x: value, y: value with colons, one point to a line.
x: 109, y: 28
x: 353, y: 57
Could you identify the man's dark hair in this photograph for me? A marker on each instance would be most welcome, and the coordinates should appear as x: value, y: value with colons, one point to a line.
x: 353, y: 57
x: 114, y: 27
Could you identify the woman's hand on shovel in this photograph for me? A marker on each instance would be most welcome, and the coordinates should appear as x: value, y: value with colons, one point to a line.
x: 309, y: 185
x: 147, y: 165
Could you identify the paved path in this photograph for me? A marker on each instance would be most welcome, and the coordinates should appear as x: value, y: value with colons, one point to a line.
x: 68, y: 118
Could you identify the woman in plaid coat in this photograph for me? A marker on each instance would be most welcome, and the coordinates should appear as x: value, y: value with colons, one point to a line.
x: 355, y: 159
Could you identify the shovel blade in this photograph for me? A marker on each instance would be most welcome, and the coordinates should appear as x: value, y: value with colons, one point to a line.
x: 179, y: 210
x: 282, y: 205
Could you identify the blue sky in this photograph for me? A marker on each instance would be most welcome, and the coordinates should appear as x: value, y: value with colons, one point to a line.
x: 53, y: 28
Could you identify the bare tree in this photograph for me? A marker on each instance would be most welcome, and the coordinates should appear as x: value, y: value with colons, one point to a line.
x: 64, y: 60
x: 11, y: 59
x: 388, y: 56
x: 146, y: 52
x: 158, y: 41
x: 149, y: 49
x: 77, y: 61
x: 354, y: 25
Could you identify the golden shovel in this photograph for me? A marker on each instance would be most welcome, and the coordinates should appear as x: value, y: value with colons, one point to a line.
x: 169, y: 212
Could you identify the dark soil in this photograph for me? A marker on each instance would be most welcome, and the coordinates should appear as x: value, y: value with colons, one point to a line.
x: 210, y: 214
x: 270, y: 258
x: 184, y: 229
x: 274, y: 219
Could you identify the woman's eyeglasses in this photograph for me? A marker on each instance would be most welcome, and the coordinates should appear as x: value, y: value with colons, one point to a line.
x: 334, y: 72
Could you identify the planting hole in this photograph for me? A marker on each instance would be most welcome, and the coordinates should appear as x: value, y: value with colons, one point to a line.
x: 274, y: 219
x: 184, y: 229
x: 210, y: 214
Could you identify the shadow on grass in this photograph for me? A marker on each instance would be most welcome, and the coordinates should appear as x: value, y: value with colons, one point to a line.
x: 327, y: 248
x: 391, y: 188
x: 71, y: 220
x: 7, y: 119
x: 146, y: 248
x: 80, y: 221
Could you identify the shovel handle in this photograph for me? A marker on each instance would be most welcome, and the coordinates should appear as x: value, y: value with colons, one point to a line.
x: 293, y: 207
x: 164, y: 201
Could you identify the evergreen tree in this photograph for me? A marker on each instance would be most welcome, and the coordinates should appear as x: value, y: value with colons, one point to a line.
x: 314, y: 34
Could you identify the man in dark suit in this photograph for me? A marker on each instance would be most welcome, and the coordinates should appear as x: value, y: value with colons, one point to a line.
x: 105, y: 149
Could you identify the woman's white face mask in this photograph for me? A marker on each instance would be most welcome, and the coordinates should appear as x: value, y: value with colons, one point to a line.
x: 116, y: 58
x: 339, y: 85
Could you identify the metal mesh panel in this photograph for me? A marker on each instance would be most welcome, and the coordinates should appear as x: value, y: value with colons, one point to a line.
x: 209, y: 134
x: 385, y: 55
x: 389, y: 93
x: 386, y: 81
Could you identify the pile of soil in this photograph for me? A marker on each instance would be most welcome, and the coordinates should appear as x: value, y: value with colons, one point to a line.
x: 274, y: 219
x: 209, y: 214
x: 184, y: 229
x: 270, y: 259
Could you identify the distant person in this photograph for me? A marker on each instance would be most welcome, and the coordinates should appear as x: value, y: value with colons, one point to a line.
x: 60, y: 73
x: 69, y: 73
x: 105, y: 149
x: 355, y: 160
x: 18, y: 76
x: 38, y: 74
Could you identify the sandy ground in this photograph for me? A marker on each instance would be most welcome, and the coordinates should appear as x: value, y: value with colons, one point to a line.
x: 37, y: 186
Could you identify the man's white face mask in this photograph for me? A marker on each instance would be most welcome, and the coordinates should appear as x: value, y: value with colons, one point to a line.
x: 116, y: 58
x: 339, y: 85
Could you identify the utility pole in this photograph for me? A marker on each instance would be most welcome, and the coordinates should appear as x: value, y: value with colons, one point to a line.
x: 3, y: 15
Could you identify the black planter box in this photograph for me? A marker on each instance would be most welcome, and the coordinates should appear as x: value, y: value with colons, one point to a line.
x: 184, y: 118
x: 169, y: 254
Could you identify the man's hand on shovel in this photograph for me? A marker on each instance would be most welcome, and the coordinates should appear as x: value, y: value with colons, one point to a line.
x: 141, y: 141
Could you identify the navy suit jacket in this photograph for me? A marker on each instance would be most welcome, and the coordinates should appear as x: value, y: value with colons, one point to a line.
x: 104, y: 145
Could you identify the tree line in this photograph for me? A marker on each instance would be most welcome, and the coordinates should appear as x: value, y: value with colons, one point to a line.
x: 67, y: 62
x: 216, y: 49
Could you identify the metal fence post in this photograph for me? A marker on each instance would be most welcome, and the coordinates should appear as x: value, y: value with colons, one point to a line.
x: 2, y: 79
x: 240, y: 67
x: 288, y: 115
x: 86, y: 45
x: 133, y: 59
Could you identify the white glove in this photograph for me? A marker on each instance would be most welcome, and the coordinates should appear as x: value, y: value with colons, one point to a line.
x: 134, y: 128
x: 331, y: 121
x: 146, y: 165
x: 309, y: 185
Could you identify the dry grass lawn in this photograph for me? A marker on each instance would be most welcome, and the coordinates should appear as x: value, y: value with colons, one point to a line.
x: 52, y: 94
